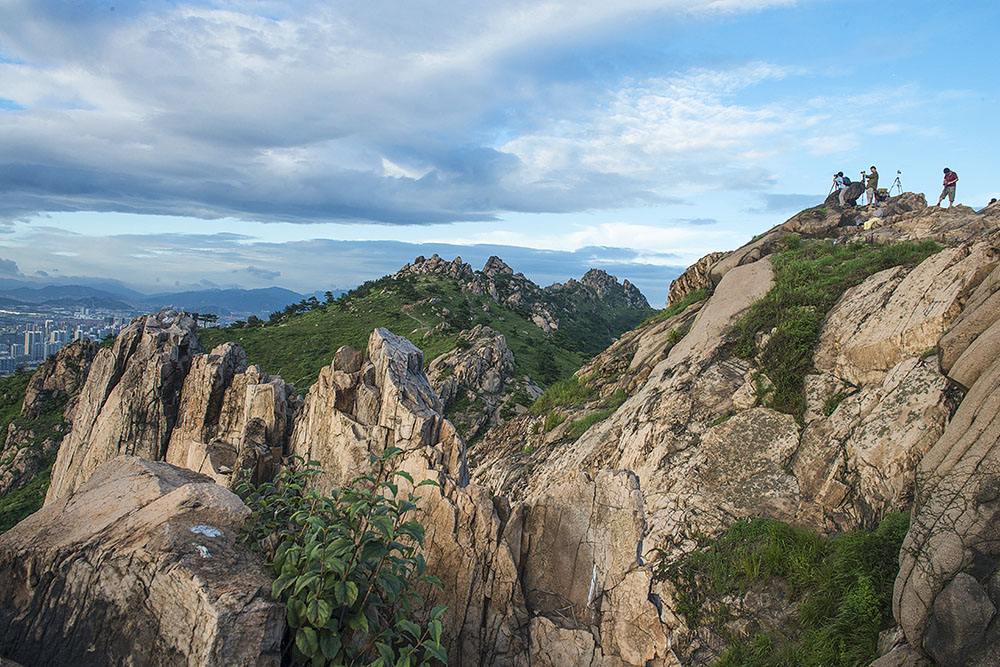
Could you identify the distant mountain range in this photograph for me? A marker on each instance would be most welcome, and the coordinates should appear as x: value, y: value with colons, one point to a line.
x: 112, y: 295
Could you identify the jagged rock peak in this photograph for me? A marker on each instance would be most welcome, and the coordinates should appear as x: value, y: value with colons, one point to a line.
x: 603, y: 283
x: 359, y: 407
x: 130, y: 400
x: 494, y: 266
x: 435, y: 265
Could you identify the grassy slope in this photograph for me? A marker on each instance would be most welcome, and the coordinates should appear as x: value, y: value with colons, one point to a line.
x: 11, y: 397
x: 298, y: 348
x: 843, y: 587
x: 809, y: 278
x: 19, y: 503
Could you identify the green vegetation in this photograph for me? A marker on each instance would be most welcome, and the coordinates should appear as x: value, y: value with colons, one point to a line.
x: 564, y: 393
x: 831, y: 403
x: 679, y: 307
x: 587, y: 325
x: 428, y: 310
x: 809, y: 278
x: 552, y: 420
x: 841, y: 588
x: 11, y: 397
x: 19, y: 503
x: 348, y: 567
x: 579, y: 426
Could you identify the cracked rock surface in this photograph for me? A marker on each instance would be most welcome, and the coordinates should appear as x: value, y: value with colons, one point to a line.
x: 140, y: 565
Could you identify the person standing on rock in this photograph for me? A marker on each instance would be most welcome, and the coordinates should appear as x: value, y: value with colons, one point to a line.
x: 871, y: 186
x: 950, y: 179
x: 840, y: 185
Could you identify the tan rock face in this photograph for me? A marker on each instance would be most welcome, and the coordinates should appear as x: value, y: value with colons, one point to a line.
x: 946, y: 593
x: 954, y: 530
x: 896, y: 314
x: 467, y: 546
x: 581, y: 569
x: 230, y: 413
x: 388, y: 402
x: 695, y: 277
x: 858, y: 464
x: 138, y: 566
x: 130, y: 401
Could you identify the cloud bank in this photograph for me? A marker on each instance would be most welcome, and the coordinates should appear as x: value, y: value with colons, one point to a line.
x: 384, y: 112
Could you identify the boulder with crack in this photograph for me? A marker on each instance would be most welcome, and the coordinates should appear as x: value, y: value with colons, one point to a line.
x: 899, y: 313
x: 140, y: 565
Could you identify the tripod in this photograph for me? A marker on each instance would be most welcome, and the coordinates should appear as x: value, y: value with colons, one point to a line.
x: 896, y: 184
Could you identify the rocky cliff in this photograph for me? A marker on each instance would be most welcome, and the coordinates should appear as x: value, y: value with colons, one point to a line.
x: 825, y: 375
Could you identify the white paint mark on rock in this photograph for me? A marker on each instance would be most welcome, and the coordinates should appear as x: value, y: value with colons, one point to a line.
x: 207, y: 531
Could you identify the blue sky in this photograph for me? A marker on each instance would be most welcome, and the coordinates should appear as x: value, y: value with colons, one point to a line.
x: 256, y: 143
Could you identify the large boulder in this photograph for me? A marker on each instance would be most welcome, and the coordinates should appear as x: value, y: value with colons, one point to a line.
x: 139, y: 565
x: 897, y: 313
x: 948, y: 563
x: 130, y: 400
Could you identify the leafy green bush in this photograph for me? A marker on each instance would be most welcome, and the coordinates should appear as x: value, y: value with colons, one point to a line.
x: 809, y: 278
x: 843, y: 586
x: 348, y: 566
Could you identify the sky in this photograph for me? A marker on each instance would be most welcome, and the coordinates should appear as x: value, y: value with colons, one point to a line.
x: 315, y: 145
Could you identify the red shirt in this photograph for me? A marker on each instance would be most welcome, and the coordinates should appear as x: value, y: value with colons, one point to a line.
x: 950, y: 178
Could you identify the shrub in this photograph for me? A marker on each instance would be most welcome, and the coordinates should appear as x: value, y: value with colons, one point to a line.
x: 347, y: 567
x: 843, y: 586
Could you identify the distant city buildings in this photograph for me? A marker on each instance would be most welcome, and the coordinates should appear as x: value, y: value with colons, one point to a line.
x: 26, y: 339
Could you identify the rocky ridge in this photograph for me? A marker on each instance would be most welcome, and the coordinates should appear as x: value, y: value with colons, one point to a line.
x: 543, y: 537
x: 545, y: 307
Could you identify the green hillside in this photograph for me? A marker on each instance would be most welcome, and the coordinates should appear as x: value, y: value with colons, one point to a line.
x: 430, y: 310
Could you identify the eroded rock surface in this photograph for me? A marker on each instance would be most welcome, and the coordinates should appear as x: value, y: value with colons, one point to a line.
x: 130, y: 400
x: 355, y: 410
x: 232, y: 418
x: 477, y: 382
x: 897, y: 313
x: 140, y: 565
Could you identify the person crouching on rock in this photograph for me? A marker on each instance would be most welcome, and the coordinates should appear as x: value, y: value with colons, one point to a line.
x: 871, y: 186
x: 950, y: 179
